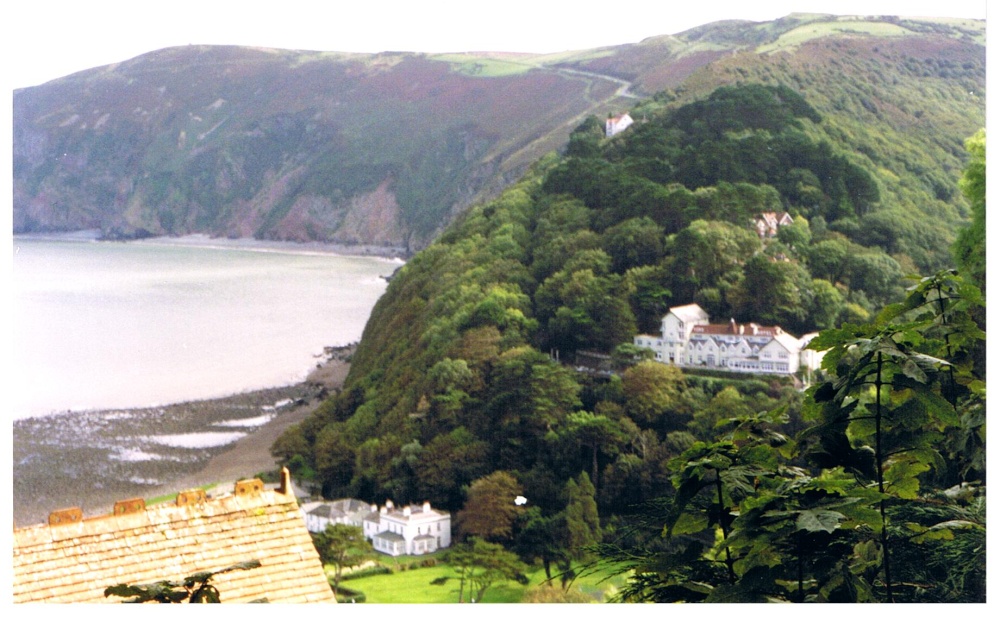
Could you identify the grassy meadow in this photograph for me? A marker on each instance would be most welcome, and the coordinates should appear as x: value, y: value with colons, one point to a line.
x: 413, y: 586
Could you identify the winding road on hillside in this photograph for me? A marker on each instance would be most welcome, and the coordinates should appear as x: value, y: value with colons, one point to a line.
x: 555, y: 138
x: 624, y: 87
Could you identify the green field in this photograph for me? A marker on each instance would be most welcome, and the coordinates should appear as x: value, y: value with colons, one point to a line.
x: 798, y: 36
x: 414, y: 586
x: 479, y: 66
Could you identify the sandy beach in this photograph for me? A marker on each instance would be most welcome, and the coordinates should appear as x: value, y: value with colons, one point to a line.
x: 92, y: 459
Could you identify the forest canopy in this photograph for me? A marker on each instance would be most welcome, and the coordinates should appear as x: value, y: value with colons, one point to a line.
x: 470, y: 365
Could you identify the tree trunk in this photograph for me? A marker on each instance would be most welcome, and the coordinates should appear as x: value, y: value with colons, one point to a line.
x: 593, y: 466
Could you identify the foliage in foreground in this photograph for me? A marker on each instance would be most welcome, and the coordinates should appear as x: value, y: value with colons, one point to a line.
x: 194, y: 589
x: 881, y: 499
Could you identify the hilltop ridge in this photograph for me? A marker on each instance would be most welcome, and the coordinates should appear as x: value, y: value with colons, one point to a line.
x: 384, y: 149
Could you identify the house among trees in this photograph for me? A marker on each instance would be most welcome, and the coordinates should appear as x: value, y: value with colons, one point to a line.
x: 616, y: 124
x: 767, y: 223
x: 72, y: 559
x: 411, y: 530
x: 319, y: 514
x: 687, y: 339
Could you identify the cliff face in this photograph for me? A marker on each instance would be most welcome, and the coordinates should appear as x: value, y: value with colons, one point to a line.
x: 386, y: 149
x: 279, y: 145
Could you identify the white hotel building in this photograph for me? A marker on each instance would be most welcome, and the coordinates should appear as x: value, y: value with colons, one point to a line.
x: 687, y: 339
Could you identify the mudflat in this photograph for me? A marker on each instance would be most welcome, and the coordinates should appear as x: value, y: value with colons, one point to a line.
x: 93, y: 459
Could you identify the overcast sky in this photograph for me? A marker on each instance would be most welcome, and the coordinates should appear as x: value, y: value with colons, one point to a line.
x: 47, y: 39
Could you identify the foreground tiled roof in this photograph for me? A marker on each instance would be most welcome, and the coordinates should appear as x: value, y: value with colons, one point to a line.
x: 74, y: 559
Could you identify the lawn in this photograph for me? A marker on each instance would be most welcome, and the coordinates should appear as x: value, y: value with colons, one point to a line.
x: 414, y: 586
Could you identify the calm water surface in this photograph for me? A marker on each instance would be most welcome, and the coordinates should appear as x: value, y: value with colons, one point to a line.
x: 101, y: 325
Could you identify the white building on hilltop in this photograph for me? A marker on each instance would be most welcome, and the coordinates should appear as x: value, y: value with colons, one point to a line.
x: 687, y: 339
x: 411, y: 530
x: 616, y: 124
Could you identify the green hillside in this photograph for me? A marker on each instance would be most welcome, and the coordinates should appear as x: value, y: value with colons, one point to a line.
x: 356, y: 149
x: 472, y: 365
x: 385, y: 149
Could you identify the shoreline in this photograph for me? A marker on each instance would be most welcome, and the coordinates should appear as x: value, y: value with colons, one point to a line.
x: 92, y: 459
x: 207, y: 241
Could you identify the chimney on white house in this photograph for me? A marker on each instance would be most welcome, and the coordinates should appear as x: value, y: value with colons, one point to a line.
x: 406, y: 511
x: 427, y: 507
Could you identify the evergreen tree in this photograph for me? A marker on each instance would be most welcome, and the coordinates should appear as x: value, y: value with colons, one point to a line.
x: 582, y: 521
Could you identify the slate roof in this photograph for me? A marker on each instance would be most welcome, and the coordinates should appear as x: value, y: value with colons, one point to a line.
x: 391, y: 536
x: 73, y: 559
x: 322, y: 510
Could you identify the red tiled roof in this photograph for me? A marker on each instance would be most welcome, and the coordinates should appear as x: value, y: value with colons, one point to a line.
x: 730, y: 329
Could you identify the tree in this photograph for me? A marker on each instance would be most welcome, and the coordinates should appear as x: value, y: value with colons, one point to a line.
x: 449, y: 462
x: 826, y: 258
x: 343, y: 546
x: 480, y: 565
x: 727, y: 403
x: 596, y: 432
x: 542, y: 538
x: 490, y: 511
x: 583, y: 525
x: 706, y: 251
x: 893, y: 402
x: 633, y: 242
x: 651, y: 389
x: 773, y: 291
x: 970, y: 247
x: 828, y: 305
x: 585, y: 140
x: 877, y: 274
x: 796, y: 236
x: 195, y: 589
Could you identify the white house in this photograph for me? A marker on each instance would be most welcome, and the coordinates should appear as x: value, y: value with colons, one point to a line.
x: 675, y: 330
x: 411, y: 530
x: 687, y: 339
x: 319, y: 514
x: 767, y: 223
x: 616, y: 124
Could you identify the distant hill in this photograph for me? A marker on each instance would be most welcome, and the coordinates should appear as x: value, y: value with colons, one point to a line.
x: 385, y: 149
x: 372, y: 149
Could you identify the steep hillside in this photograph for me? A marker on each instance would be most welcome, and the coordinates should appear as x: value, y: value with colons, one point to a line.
x: 897, y: 95
x: 458, y: 373
x: 858, y: 135
x: 385, y: 149
x: 370, y: 149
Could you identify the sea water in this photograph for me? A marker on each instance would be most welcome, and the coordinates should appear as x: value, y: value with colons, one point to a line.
x: 101, y: 325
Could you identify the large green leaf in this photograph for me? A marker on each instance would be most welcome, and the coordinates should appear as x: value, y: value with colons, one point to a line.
x: 819, y: 519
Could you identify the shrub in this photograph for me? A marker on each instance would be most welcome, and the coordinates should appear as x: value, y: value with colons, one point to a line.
x: 372, y: 571
x: 348, y: 596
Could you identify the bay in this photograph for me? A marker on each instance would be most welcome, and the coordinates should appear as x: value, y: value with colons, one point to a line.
x: 102, y: 325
